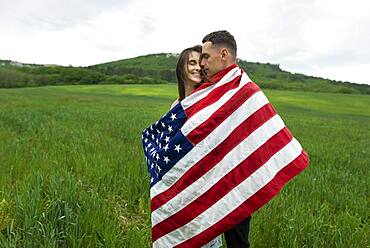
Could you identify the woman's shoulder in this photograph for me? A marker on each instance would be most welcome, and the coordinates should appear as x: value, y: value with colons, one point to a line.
x: 174, y: 103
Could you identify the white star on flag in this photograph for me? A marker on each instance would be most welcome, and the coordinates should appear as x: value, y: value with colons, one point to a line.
x: 165, y: 147
x: 166, y: 159
x: 173, y: 116
x: 178, y: 148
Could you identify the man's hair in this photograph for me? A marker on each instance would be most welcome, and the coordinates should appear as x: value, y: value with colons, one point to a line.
x: 222, y: 37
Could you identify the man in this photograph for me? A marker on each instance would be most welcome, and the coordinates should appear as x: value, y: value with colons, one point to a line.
x: 219, y: 53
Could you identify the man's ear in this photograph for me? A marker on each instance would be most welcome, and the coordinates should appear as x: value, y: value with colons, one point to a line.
x: 224, y: 53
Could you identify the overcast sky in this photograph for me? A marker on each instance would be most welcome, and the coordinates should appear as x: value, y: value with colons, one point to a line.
x: 327, y: 38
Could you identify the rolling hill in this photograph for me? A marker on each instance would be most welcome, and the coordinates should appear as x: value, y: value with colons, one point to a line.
x: 159, y: 69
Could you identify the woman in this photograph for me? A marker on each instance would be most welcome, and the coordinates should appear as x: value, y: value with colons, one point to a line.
x: 189, y: 77
x: 188, y: 72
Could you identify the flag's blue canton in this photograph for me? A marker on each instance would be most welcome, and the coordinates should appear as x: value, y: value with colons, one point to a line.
x: 164, y: 144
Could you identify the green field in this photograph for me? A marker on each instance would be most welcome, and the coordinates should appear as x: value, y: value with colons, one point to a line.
x: 73, y: 172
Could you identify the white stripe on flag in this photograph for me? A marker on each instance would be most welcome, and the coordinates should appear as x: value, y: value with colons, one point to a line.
x: 205, y: 113
x: 230, y: 161
x: 234, y: 198
x: 199, y: 95
x: 255, y: 102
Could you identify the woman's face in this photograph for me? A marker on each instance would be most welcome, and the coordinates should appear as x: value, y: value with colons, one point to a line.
x: 192, y: 68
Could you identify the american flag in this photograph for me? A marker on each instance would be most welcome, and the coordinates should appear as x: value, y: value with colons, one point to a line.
x: 214, y: 159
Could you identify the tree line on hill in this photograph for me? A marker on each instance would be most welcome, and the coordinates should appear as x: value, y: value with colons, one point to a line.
x: 159, y: 69
x: 35, y: 75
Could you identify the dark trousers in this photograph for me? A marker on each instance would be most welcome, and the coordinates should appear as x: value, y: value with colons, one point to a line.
x: 237, y: 237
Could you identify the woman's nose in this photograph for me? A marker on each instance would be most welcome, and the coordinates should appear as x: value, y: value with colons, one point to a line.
x: 201, y: 63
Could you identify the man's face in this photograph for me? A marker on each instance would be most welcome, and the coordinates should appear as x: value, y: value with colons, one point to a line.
x: 210, y: 60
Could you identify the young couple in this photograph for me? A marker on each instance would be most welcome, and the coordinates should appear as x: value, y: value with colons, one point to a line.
x: 236, y: 153
x: 201, y: 64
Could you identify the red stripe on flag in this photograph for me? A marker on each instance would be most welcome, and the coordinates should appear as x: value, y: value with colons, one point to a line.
x: 251, y: 205
x: 203, y: 130
x: 207, y: 162
x: 217, y: 77
x: 212, y: 97
x: 246, y: 168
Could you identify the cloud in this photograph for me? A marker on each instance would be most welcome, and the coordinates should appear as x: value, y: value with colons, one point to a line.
x: 310, y: 36
x: 53, y: 15
x: 147, y: 24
